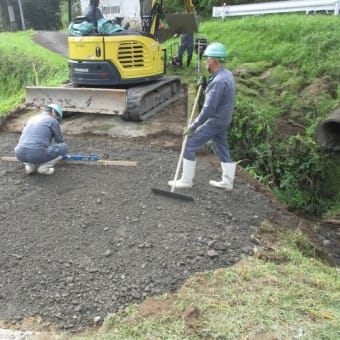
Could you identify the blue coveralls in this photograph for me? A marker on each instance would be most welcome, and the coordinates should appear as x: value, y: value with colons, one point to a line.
x: 215, y: 117
x: 35, y: 141
x: 187, y: 44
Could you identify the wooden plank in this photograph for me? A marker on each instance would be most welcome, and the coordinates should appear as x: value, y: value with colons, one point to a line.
x: 331, y: 221
x: 101, y: 162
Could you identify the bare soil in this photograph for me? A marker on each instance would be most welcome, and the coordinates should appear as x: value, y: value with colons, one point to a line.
x: 91, y: 240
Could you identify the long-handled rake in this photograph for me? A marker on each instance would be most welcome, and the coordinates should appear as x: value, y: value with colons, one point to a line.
x: 172, y: 192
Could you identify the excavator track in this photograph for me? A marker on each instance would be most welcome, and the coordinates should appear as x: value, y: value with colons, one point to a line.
x: 145, y: 101
x: 136, y: 103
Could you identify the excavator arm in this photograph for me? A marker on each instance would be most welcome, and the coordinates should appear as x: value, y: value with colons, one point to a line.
x: 189, y: 7
x: 151, y: 13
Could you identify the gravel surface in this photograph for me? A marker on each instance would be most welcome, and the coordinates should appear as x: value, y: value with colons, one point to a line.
x: 89, y: 240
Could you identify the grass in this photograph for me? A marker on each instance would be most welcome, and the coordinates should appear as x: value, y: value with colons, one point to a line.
x: 25, y: 63
x: 307, y: 42
x: 284, y: 63
x: 287, y: 66
x: 287, y: 294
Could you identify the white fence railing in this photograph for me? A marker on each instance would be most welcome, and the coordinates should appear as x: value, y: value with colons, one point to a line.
x: 307, y: 6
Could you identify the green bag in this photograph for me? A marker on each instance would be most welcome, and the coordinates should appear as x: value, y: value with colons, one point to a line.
x: 107, y: 27
x: 82, y: 28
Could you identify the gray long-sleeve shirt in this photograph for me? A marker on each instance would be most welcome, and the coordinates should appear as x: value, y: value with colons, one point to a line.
x: 219, y: 100
x: 88, y: 13
x: 39, y: 132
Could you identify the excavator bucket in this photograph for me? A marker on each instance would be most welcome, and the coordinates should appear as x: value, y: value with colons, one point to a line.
x: 182, y: 22
x: 79, y: 100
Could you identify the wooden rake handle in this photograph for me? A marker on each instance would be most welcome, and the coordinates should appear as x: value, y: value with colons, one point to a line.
x: 185, y: 139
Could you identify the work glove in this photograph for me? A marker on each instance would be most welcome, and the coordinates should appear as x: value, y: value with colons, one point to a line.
x: 202, y: 82
x: 187, y: 132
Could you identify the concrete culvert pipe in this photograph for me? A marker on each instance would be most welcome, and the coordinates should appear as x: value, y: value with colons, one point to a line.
x: 328, y: 132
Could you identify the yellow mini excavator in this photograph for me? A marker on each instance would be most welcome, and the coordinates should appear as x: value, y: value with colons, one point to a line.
x: 119, y: 72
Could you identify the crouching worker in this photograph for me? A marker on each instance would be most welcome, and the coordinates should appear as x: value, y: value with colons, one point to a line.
x: 35, y: 148
x: 213, y: 121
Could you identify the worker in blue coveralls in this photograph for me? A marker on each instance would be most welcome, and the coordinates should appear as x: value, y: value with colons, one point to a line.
x: 187, y: 44
x: 35, y: 148
x: 213, y: 121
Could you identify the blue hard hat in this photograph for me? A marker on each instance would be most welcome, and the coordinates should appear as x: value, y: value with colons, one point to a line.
x: 215, y: 50
x: 57, y: 109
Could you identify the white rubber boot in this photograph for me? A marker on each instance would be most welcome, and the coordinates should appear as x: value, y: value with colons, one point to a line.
x: 48, y: 167
x: 228, y: 175
x: 188, y: 175
x: 30, y: 168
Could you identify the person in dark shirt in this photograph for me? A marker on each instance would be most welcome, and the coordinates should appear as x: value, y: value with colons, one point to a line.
x: 88, y: 12
x: 187, y: 44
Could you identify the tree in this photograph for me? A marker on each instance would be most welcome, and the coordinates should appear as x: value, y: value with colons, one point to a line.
x: 8, y: 18
x: 4, y: 21
x: 42, y: 14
